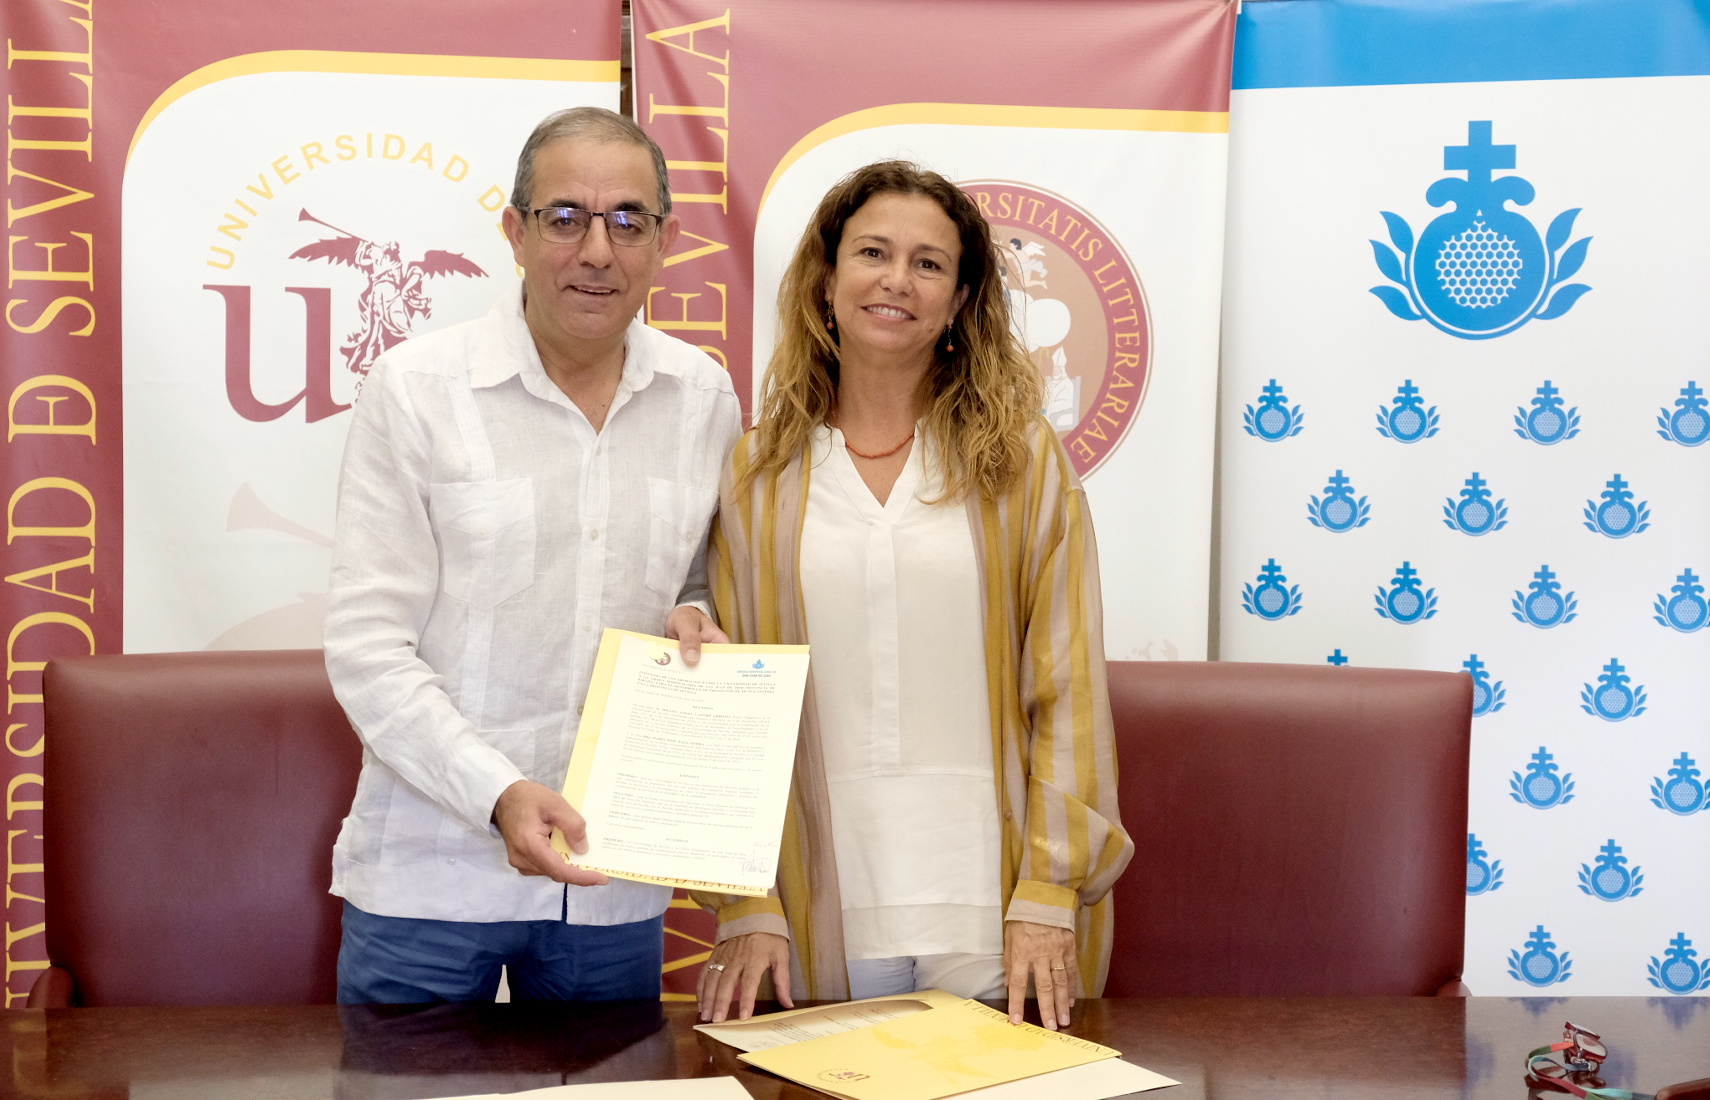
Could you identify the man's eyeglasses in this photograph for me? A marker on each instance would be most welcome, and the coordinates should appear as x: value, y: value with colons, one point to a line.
x: 569, y: 224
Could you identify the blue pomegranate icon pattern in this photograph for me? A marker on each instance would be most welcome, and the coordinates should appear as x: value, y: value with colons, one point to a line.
x: 1548, y: 422
x: 1540, y: 965
x: 1274, y: 418
x: 1685, y: 611
x: 1683, y: 793
x: 1268, y: 599
x: 1487, y: 697
x: 1407, y: 420
x: 1679, y: 970
x: 1480, y: 270
x: 1483, y: 875
x: 1617, y: 516
x: 1541, y: 787
x: 1475, y: 514
x: 1338, y: 511
x: 1614, y: 699
x: 1403, y: 602
x: 1544, y: 604
x: 1611, y: 879
x: 1689, y: 424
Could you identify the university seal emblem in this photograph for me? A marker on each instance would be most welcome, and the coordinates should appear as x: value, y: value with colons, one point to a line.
x: 1480, y: 270
x: 1078, y: 308
x: 395, y: 295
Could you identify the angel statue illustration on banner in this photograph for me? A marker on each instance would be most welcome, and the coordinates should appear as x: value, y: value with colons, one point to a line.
x: 394, y: 298
x: 1040, y: 324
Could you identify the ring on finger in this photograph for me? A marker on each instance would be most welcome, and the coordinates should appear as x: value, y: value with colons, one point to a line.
x: 1059, y: 966
x: 715, y: 966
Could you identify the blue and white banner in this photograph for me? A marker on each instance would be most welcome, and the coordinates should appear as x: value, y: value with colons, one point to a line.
x: 1464, y: 408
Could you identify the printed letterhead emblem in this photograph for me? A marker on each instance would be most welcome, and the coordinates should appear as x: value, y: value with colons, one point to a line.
x: 1480, y: 270
x: 1079, y: 309
x: 387, y: 308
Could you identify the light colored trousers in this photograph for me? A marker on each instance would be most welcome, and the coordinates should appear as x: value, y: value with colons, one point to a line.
x: 976, y: 976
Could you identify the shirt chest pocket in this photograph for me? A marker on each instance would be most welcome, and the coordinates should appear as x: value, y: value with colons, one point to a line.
x: 486, y: 538
x: 678, y: 515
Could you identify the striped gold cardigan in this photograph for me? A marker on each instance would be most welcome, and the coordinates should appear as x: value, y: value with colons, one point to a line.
x: 1063, y: 845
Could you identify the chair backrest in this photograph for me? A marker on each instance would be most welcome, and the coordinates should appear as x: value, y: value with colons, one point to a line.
x: 191, y: 804
x: 1299, y: 830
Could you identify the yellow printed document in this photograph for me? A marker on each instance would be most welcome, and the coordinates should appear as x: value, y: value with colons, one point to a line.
x: 927, y: 1055
x: 682, y: 773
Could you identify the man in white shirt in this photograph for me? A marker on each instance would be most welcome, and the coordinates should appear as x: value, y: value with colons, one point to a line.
x: 511, y: 486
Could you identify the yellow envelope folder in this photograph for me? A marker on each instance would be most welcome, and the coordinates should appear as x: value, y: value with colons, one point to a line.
x: 927, y: 1055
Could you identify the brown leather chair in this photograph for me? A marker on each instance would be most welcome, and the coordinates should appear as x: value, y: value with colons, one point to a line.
x: 1299, y: 830
x: 191, y: 804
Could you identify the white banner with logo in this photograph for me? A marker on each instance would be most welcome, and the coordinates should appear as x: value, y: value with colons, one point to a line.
x: 266, y: 265
x: 1125, y: 340
x: 1099, y: 163
x: 1463, y: 408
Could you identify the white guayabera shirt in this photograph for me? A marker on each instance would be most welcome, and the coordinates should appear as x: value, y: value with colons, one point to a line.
x: 486, y: 536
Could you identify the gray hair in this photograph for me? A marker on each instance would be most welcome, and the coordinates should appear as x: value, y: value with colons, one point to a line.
x: 590, y: 124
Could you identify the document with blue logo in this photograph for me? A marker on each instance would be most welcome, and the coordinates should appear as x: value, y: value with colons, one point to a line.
x: 682, y: 773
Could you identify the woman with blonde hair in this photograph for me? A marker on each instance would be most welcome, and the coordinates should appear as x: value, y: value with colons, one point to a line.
x: 902, y: 504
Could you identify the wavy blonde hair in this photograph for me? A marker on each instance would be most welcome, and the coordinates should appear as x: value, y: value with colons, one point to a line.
x: 980, y: 398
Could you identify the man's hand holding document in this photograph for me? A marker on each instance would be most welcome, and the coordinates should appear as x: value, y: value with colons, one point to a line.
x: 928, y: 1045
x: 682, y: 773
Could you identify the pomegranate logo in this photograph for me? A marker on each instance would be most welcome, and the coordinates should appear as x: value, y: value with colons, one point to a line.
x: 394, y: 297
x: 1078, y: 308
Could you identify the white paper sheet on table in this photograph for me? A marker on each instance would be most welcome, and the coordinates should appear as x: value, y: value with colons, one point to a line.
x: 1093, y: 1081
x: 695, y: 1088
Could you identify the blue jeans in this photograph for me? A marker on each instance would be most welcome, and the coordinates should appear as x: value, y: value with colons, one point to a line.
x: 406, y: 960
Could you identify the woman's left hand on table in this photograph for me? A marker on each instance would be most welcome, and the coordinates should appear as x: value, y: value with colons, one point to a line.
x: 1047, y: 955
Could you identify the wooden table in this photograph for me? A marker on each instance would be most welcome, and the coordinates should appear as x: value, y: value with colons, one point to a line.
x: 1364, y: 1048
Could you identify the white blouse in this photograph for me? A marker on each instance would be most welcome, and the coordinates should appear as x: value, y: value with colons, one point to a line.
x: 893, y: 607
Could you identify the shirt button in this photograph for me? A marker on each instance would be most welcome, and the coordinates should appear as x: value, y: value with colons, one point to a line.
x: 481, y: 534
x: 578, y: 708
x: 593, y: 536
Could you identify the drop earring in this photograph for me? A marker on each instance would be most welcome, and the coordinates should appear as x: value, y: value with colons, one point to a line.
x: 830, y: 319
x: 950, y: 337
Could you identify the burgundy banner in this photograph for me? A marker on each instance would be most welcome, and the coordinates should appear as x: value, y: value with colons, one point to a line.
x: 731, y: 88
x: 79, y: 81
x: 727, y: 87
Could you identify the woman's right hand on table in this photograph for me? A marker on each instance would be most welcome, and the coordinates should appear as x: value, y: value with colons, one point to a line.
x: 737, y: 966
